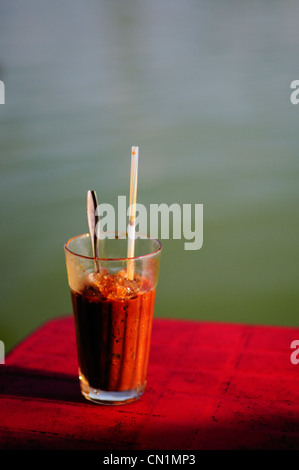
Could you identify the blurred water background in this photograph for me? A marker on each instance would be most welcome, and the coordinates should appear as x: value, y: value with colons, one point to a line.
x: 203, y: 87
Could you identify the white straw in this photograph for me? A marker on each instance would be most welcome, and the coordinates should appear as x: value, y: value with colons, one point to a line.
x: 132, y: 209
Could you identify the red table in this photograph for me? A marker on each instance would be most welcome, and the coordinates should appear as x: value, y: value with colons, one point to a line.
x: 210, y: 386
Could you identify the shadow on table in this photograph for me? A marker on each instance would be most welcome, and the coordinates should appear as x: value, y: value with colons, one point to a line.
x: 20, y: 382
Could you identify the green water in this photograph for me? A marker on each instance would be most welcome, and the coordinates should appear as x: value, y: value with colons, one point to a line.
x: 204, y: 89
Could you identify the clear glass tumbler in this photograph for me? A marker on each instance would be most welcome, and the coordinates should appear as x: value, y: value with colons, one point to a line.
x: 113, y: 303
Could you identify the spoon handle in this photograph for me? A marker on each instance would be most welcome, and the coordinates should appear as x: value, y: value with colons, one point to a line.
x: 93, y: 220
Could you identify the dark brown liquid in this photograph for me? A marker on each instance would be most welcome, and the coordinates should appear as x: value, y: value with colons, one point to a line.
x: 113, y: 339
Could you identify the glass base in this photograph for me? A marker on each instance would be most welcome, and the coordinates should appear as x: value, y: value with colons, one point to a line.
x: 105, y: 397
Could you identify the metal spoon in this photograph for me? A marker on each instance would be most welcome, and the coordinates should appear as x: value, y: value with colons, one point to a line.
x: 93, y: 220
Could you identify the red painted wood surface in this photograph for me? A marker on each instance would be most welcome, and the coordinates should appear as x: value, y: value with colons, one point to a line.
x: 210, y: 386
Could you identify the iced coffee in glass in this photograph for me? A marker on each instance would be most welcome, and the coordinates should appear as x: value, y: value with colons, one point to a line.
x: 113, y: 314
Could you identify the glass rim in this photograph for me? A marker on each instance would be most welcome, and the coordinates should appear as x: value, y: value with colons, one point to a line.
x: 87, y: 235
